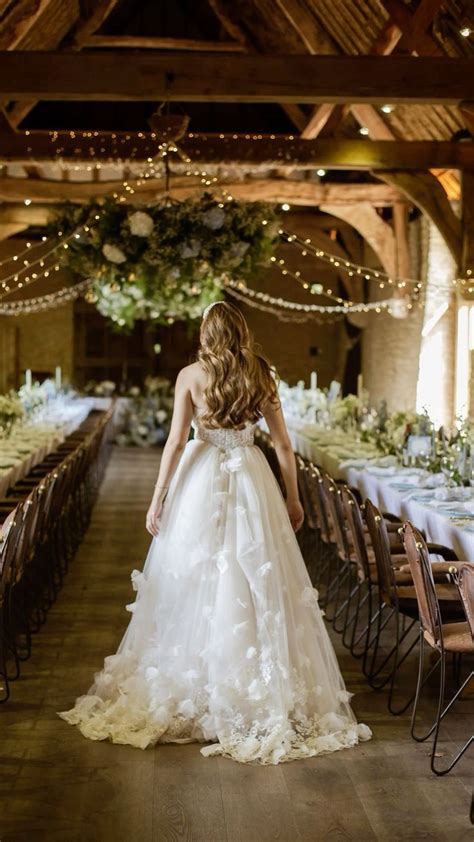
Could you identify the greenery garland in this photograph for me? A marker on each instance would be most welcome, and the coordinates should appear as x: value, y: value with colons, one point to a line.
x: 166, y: 262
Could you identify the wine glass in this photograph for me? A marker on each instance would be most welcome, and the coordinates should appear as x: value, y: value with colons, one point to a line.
x: 447, y: 468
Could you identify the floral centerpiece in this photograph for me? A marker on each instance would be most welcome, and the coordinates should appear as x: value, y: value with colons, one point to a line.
x: 344, y: 412
x: 11, y: 412
x: 105, y: 388
x: 148, y: 414
x: 166, y: 262
x: 35, y: 397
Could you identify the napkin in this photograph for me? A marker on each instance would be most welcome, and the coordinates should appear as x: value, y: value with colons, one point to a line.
x: 461, y: 493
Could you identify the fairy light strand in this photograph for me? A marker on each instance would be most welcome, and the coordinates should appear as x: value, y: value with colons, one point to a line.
x: 207, y: 180
x: 45, y: 302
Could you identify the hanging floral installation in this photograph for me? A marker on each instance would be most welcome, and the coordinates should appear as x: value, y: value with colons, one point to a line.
x: 166, y: 262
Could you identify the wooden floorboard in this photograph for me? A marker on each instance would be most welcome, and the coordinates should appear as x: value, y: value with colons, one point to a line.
x: 57, y: 786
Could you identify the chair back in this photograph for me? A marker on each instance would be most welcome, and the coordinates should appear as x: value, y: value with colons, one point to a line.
x: 464, y: 578
x: 315, y: 483
x: 302, y: 472
x: 383, y: 558
x: 423, y: 580
x: 336, y: 513
x: 11, y: 530
x: 355, y: 527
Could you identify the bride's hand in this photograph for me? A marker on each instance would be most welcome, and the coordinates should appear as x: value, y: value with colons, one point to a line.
x: 153, y: 516
x: 296, y: 513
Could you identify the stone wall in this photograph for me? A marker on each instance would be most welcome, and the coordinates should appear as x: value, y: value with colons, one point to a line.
x: 39, y: 341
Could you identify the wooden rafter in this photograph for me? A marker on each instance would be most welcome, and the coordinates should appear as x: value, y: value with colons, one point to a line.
x: 303, y: 193
x: 230, y: 150
x: 236, y: 32
x: 427, y: 193
x: 19, y: 20
x: 132, y: 42
x: 85, y: 27
x: 172, y: 77
x: 311, y: 33
x: 365, y: 219
x: 414, y: 26
x: 315, y: 39
x: 400, y: 227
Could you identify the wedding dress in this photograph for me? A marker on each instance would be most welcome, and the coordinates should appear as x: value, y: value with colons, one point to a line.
x: 226, y: 643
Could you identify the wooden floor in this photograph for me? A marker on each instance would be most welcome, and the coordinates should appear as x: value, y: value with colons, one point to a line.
x: 59, y: 787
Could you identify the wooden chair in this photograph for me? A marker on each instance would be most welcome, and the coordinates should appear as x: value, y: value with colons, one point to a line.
x: 398, y: 602
x: 445, y: 639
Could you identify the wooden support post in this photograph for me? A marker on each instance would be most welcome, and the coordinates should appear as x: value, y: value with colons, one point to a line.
x: 467, y: 254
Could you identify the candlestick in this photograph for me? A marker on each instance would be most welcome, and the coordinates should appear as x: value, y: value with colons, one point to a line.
x: 314, y: 381
x: 28, y: 378
x: 57, y: 377
x: 360, y: 385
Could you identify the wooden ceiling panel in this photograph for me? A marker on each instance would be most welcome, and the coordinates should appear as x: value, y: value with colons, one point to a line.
x: 39, y: 25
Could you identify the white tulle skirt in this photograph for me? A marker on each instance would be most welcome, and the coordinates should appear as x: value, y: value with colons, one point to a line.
x: 226, y: 643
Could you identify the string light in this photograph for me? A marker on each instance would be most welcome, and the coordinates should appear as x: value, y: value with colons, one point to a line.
x: 281, y: 315
x: 163, y: 149
x: 45, y: 302
x: 20, y: 279
x: 361, y: 307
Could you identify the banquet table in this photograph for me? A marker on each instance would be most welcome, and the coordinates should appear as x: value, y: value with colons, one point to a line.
x: 29, y: 443
x: 401, y: 491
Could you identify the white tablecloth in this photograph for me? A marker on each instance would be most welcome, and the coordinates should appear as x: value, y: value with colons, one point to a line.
x: 30, y: 443
x: 331, y: 455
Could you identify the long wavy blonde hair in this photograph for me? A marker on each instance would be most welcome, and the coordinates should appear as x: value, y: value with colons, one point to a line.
x: 241, y: 382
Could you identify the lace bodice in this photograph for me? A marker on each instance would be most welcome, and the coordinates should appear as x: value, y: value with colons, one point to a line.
x: 222, y: 437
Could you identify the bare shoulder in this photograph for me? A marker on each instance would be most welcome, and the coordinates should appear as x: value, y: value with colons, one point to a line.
x: 191, y: 375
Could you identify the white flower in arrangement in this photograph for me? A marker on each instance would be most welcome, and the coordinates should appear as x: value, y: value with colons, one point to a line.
x: 113, y: 253
x: 214, y: 218
x: 105, y: 387
x: 316, y: 289
x: 191, y: 248
x: 134, y: 391
x: 161, y: 416
x: 141, y: 224
x: 134, y: 292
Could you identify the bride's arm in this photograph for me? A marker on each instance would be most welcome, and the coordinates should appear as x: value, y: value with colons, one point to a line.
x: 286, y: 458
x: 176, y: 442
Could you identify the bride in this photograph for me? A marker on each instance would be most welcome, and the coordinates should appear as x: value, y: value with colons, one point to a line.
x: 226, y: 644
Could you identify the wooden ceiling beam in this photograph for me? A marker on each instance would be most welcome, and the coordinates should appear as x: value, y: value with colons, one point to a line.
x: 5, y: 125
x: 88, y: 25
x: 231, y: 150
x: 19, y: 19
x: 237, y: 33
x: 132, y: 42
x: 276, y: 190
x: 427, y: 193
x: 373, y: 121
x: 104, y: 76
x: 414, y: 26
x: 85, y: 27
x: 372, y: 228
x: 390, y: 39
